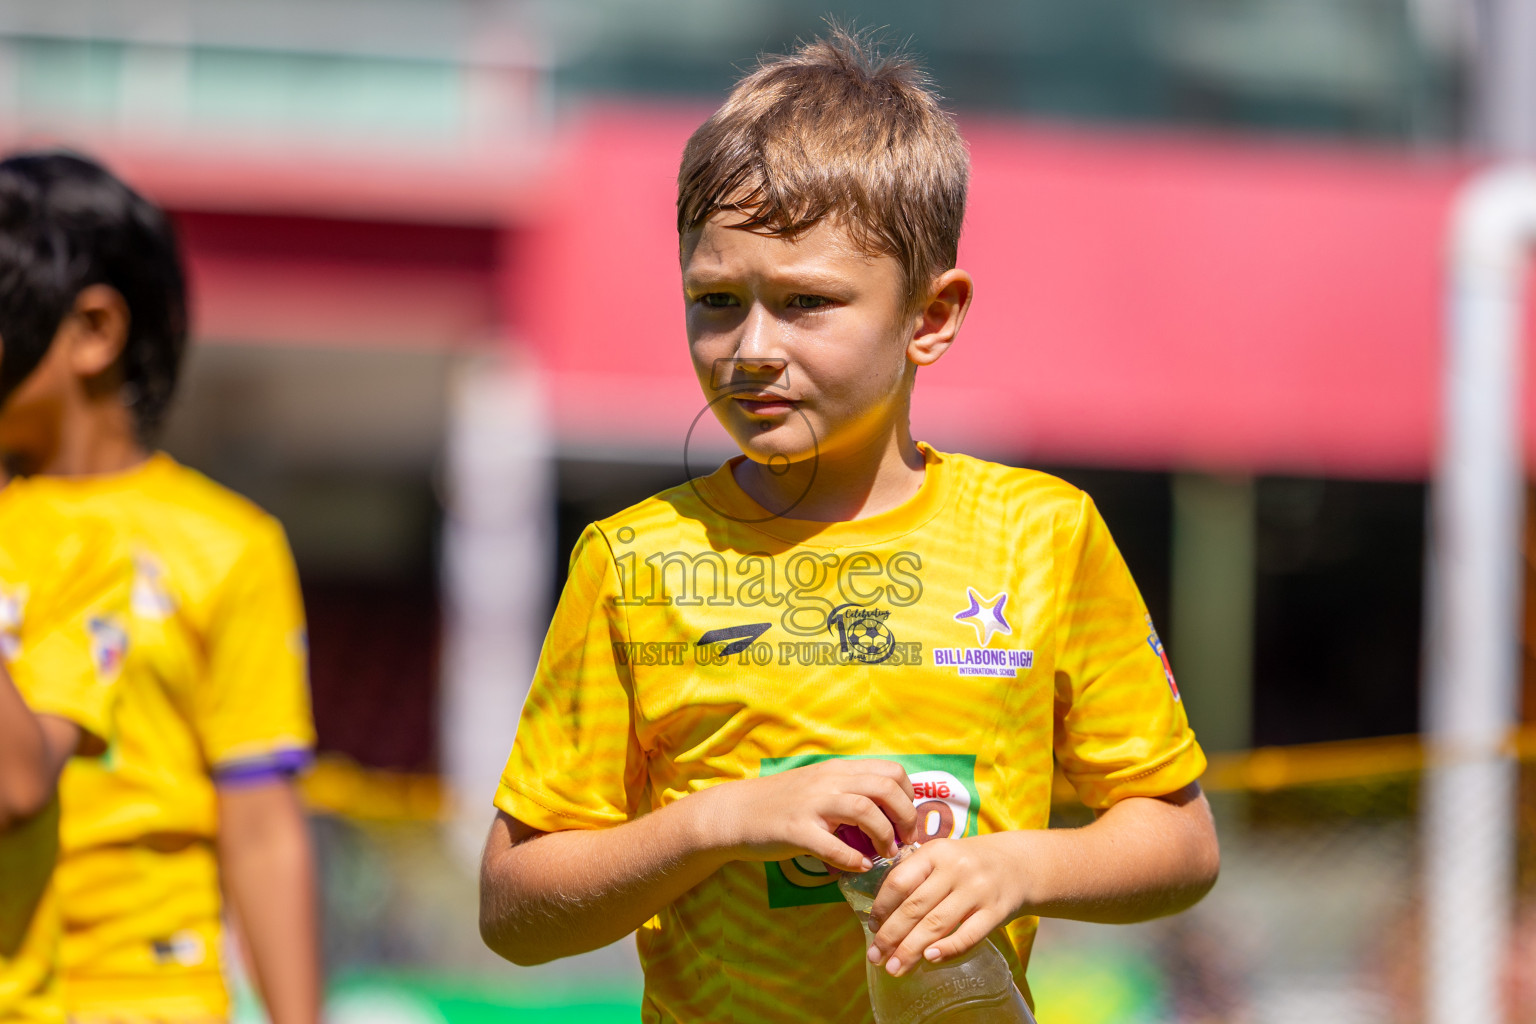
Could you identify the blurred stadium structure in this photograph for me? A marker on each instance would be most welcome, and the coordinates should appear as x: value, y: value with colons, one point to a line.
x: 432, y: 251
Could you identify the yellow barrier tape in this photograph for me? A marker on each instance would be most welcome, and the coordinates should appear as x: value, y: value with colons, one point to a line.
x: 1265, y: 769
x: 340, y: 786
x: 1270, y: 768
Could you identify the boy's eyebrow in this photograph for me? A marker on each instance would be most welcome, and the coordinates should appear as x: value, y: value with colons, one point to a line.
x: 800, y: 280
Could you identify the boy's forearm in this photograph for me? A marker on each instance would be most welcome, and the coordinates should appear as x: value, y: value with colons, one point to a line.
x: 268, y: 871
x: 22, y: 764
x: 1143, y: 858
x: 549, y: 895
x: 29, y: 769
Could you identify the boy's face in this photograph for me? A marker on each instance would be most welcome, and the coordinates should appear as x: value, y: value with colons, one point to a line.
x: 800, y: 345
x: 29, y: 415
x: 80, y: 365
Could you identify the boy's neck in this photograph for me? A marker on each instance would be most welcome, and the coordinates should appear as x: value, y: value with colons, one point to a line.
x: 847, y: 485
x: 95, y: 437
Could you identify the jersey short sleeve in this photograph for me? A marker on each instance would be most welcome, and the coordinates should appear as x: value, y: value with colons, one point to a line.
x: 1120, y: 726
x: 68, y: 658
x: 252, y: 712
x: 576, y: 761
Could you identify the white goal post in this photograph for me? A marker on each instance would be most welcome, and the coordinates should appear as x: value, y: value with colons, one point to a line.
x: 1474, y: 594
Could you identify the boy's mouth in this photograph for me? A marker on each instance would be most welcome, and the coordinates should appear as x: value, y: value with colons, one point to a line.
x: 763, y: 404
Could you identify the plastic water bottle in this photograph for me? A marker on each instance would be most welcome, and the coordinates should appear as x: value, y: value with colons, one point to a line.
x: 974, y: 988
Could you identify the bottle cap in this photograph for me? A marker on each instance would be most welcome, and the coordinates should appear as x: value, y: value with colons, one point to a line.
x: 856, y: 838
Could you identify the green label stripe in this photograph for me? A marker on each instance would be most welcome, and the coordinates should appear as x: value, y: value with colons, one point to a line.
x: 805, y: 880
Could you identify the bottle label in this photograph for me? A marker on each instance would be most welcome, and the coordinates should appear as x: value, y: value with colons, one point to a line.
x: 958, y: 991
x: 947, y: 808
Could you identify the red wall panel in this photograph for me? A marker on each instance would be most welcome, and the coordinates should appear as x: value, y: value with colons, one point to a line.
x: 1142, y: 300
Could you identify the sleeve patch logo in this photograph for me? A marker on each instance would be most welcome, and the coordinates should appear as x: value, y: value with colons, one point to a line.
x: 109, y: 645
x: 947, y: 804
x: 1157, y: 648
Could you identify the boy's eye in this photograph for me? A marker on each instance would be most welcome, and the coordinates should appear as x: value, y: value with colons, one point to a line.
x: 808, y: 301
x: 717, y: 300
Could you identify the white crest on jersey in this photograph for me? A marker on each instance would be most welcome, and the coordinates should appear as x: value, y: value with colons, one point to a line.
x: 152, y: 598
x: 13, y: 604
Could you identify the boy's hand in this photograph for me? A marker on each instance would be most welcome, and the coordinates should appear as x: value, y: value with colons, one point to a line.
x: 946, y: 897
x: 1141, y: 858
x: 782, y: 816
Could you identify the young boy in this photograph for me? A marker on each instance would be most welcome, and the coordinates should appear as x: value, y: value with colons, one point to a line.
x: 64, y: 591
x: 841, y: 626
x: 197, y: 793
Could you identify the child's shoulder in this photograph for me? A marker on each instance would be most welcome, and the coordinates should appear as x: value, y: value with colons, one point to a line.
x: 668, y: 516
x: 659, y: 511
x: 197, y: 495
x: 1010, y: 490
x: 195, y: 520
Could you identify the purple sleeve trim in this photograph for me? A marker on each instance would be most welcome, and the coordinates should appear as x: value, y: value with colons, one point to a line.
x: 278, y: 764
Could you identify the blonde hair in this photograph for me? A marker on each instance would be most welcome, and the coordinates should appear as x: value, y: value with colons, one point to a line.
x: 837, y: 128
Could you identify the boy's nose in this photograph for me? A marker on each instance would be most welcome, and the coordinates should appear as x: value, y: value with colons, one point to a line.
x: 759, y: 339
x: 739, y: 373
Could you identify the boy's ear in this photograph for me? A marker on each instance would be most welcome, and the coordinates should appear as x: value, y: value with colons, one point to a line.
x: 96, y: 330
x: 939, y: 319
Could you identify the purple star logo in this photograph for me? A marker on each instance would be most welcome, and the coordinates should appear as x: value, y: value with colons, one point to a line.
x: 985, y: 615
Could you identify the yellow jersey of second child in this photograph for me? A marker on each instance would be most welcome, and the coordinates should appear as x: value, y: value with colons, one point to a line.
x: 215, y: 691
x: 64, y: 591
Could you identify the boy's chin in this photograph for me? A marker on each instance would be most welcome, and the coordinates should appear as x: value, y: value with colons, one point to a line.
x: 787, y: 441
x: 777, y: 454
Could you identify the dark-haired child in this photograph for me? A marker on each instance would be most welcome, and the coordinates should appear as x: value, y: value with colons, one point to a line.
x: 197, y: 792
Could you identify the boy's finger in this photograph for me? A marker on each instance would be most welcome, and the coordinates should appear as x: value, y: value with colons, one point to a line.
x: 914, y: 869
x: 964, y: 938
x: 928, y: 931
x: 835, y: 853
x: 865, y: 814
x: 896, y: 773
x: 889, y: 815
x: 902, y: 902
x: 897, y: 804
x: 882, y: 787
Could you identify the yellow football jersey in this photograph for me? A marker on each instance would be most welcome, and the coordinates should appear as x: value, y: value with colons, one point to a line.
x: 215, y: 691
x: 980, y: 631
x: 64, y: 591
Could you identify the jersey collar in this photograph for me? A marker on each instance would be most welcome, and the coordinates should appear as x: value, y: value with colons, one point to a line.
x: 720, y: 491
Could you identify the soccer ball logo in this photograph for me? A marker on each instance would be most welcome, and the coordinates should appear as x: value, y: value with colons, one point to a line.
x: 870, y: 641
x: 863, y: 632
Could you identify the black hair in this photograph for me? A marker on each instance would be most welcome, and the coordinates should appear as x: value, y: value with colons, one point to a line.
x: 67, y: 223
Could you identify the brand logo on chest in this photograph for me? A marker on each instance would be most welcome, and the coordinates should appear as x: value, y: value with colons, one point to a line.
x: 986, y: 615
